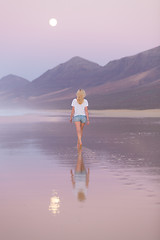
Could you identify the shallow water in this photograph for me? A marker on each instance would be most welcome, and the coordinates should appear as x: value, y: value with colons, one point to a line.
x: 109, y: 190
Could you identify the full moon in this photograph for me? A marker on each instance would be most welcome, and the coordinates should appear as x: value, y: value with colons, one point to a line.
x: 53, y: 22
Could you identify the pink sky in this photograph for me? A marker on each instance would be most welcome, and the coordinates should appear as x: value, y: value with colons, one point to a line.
x: 99, y: 30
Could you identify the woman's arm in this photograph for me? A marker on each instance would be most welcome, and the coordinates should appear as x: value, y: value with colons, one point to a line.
x: 72, y: 114
x: 87, y: 115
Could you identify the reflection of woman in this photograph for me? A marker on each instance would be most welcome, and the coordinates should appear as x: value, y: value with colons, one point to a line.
x: 80, y: 113
x: 80, y: 179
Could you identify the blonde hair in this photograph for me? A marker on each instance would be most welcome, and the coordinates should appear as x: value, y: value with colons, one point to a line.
x: 80, y: 95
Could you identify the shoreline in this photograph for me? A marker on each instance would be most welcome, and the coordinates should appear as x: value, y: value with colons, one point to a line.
x: 58, y: 115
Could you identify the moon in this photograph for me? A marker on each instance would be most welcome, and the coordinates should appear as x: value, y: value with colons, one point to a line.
x: 53, y: 22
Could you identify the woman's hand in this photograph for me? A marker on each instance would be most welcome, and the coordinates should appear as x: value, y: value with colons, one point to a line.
x: 70, y: 120
x: 88, y: 122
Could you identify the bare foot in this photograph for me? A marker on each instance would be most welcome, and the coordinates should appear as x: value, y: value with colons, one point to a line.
x: 78, y: 145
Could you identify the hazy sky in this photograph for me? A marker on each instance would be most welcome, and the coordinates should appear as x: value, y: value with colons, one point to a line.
x: 98, y: 30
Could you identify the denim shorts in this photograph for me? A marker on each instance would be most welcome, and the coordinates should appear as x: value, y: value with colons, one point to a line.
x: 80, y: 118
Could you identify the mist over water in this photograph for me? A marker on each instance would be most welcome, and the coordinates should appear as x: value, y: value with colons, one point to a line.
x: 28, y: 111
x: 15, y: 112
x: 109, y: 190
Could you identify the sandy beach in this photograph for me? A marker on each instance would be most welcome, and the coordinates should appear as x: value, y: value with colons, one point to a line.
x: 151, y: 113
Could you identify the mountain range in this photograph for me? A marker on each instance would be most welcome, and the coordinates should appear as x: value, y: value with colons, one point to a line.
x: 128, y: 83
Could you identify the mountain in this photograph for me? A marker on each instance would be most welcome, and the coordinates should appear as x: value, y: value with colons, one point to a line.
x: 130, y: 82
x: 12, y: 82
x: 128, y: 66
x: 9, y: 86
x: 74, y: 73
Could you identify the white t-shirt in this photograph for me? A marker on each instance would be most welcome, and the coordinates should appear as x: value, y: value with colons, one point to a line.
x: 79, y: 109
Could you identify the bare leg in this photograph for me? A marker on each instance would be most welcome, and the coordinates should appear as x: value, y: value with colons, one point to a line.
x: 78, y: 129
x: 82, y: 126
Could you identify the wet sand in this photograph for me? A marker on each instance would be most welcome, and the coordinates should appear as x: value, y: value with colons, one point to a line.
x: 109, y: 190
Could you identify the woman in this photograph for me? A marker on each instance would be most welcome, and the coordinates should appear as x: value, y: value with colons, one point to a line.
x: 80, y: 113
